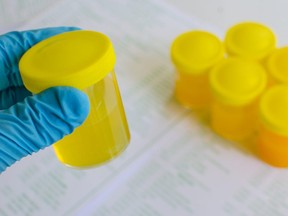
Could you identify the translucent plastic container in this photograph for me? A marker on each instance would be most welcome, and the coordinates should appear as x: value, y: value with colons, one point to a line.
x: 272, y: 141
x: 236, y: 84
x: 193, y: 54
x: 84, y: 60
x: 250, y: 40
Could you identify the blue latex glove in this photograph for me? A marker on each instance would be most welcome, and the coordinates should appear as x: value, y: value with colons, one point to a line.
x: 30, y: 123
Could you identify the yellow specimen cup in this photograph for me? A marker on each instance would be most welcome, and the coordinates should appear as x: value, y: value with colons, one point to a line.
x: 193, y: 54
x: 277, y: 65
x: 236, y: 84
x: 84, y: 60
x: 250, y: 40
x: 272, y: 142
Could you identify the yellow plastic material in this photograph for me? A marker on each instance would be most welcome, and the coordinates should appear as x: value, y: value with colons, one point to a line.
x: 277, y: 65
x: 78, y: 59
x: 193, y: 54
x: 193, y: 91
x: 84, y: 60
x: 235, y: 84
x: 273, y: 109
x: 237, y: 81
x: 272, y: 142
x: 103, y: 135
x: 250, y: 40
x: 233, y: 122
x: 196, y: 51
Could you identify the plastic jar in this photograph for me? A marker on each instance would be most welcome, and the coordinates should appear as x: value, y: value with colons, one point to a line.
x: 193, y: 54
x: 272, y: 141
x: 277, y: 65
x: 250, y: 40
x: 84, y: 60
x: 236, y: 84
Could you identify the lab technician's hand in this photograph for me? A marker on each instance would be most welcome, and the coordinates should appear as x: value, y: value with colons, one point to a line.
x: 30, y: 123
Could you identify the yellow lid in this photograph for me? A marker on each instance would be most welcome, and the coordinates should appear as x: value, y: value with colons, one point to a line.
x: 274, y: 109
x: 250, y: 40
x: 237, y: 81
x: 196, y: 51
x: 78, y: 59
x: 277, y: 65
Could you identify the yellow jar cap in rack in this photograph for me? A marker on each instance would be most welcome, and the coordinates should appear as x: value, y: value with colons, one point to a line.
x: 237, y: 81
x: 250, y: 40
x: 196, y: 51
x: 78, y: 59
x: 277, y: 65
x: 273, y: 109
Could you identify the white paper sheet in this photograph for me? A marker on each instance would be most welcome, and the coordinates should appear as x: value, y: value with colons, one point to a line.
x: 175, y: 165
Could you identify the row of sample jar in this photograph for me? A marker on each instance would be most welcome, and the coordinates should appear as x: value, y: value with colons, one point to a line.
x: 242, y: 82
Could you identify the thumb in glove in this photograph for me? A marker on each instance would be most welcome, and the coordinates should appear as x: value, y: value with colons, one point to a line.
x: 39, y: 121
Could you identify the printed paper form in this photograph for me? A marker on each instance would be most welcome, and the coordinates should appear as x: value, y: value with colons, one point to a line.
x: 174, y: 165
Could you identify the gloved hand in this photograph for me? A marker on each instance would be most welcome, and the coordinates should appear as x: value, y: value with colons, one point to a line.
x: 30, y: 123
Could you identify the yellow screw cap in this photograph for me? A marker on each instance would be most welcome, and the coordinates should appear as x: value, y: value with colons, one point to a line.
x: 78, y: 59
x: 250, y: 40
x: 277, y: 65
x: 273, y: 109
x: 237, y: 81
x: 196, y: 51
